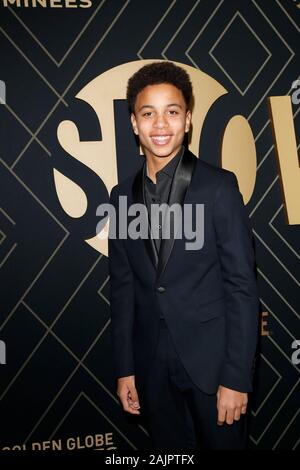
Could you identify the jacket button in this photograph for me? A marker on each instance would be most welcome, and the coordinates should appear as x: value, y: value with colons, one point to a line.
x: 161, y: 289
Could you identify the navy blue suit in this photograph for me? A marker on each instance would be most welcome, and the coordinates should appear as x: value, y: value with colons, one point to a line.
x: 208, y: 297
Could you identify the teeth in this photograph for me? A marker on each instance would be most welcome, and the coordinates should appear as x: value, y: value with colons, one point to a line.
x: 161, y: 138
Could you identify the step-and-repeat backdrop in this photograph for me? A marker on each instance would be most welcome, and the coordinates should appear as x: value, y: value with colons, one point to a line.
x: 66, y: 140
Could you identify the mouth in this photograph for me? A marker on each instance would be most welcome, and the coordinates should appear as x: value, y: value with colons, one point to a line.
x: 161, y: 139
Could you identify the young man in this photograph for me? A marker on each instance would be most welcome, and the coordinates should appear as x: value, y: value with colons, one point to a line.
x: 184, y: 321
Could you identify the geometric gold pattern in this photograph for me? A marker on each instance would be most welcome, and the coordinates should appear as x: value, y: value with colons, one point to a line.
x: 57, y: 382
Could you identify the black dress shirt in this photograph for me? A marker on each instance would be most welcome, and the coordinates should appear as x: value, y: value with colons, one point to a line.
x: 158, y: 193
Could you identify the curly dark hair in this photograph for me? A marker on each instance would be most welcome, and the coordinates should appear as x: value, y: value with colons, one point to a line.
x: 155, y: 73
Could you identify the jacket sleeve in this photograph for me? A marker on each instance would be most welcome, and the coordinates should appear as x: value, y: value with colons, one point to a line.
x: 236, y: 255
x: 121, y: 300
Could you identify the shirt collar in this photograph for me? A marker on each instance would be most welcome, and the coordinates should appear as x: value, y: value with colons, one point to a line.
x: 169, y: 168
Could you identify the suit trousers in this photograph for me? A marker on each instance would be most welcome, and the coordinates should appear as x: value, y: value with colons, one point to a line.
x: 180, y: 416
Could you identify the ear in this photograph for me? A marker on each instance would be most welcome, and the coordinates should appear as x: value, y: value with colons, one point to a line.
x: 134, y: 124
x: 188, y: 119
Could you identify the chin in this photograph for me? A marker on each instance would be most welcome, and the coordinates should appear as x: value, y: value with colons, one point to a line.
x: 162, y: 152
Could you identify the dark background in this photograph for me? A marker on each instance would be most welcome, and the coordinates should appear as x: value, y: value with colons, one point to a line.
x: 58, y: 381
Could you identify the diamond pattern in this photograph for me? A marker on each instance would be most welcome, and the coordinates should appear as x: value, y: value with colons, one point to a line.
x: 55, y: 305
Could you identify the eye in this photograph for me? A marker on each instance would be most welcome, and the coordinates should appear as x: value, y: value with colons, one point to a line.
x: 147, y: 114
x: 173, y: 112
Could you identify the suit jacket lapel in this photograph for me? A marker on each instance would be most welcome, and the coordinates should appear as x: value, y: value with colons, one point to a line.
x: 180, y: 184
x: 138, y: 193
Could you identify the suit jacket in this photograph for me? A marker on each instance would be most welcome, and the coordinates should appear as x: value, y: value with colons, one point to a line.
x: 208, y: 297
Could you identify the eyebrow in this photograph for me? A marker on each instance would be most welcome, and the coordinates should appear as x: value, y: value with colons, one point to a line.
x: 152, y: 107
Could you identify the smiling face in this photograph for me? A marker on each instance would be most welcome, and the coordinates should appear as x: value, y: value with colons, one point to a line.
x: 160, y: 120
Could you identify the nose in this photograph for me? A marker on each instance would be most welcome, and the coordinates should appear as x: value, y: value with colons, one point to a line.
x: 161, y: 121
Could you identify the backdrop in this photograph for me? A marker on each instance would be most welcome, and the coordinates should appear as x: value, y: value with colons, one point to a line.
x: 66, y: 140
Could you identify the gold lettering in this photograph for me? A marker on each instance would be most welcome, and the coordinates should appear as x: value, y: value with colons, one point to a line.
x: 71, y: 444
x: 43, y: 3
x: 287, y: 156
x: 55, y: 4
x: 36, y: 446
x: 11, y: 2
x: 109, y: 438
x: 48, y: 3
x: 99, y: 440
x: 79, y: 446
x: 238, y: 140
x: 71, y: 4
x: 46, y: 445
x: 56, y: 445
x: 86, y: 4
x: 89, y: 441
x: 264, y: 323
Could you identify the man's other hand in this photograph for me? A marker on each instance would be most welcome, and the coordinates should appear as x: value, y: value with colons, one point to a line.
x: 230, y: 404
x: 128, y: 395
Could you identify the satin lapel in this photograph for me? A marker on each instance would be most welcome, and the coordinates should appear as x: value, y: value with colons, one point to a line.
x: 180, y: 184
x: 138, y: 193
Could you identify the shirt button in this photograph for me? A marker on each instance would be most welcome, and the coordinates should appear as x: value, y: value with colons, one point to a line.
x: 161, y: 289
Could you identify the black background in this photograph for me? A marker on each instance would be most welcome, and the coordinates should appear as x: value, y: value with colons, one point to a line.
x: 58, y: 382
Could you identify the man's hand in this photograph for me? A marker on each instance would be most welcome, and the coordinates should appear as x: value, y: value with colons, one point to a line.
x: 128, y: 394
x: 230, y: 404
